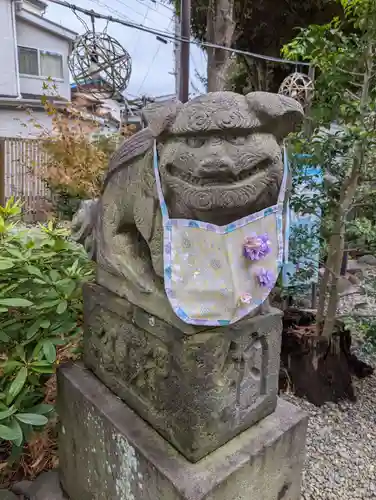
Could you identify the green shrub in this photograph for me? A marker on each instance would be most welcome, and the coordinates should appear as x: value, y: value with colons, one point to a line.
x: 41, y: 273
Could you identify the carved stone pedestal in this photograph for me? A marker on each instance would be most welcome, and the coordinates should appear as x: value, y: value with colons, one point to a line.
x: 198, y: 391
x: 107, y: 452
x: 164, y: 410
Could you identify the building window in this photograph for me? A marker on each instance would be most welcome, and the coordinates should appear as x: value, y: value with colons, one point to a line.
x: 28, y: 61
x: 51, y: 65
x: 41, y: 63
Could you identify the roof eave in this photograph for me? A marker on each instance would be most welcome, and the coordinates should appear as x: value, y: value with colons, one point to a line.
x: 47, y: 25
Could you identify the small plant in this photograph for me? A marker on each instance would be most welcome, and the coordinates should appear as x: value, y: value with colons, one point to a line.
x: 75, y: 164
x: 76, y: 153
x: 41, y: 274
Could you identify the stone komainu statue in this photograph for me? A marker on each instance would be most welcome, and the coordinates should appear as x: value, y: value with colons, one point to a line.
x: 220, y: 160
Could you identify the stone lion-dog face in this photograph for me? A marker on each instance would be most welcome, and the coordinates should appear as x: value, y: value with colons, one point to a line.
x: 220, y: 159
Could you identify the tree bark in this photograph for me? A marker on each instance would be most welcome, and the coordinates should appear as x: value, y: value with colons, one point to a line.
x: 220, y: 30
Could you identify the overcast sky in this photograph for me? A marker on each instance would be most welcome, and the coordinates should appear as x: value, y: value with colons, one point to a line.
x: 152, y: 61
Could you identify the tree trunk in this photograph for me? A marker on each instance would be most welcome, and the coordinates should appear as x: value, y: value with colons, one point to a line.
x: 348, y: 190
x: 322, y: 296
x: 220, y: 31
x: 259, y: 74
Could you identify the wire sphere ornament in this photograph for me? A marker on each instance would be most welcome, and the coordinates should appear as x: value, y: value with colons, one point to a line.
x: 298, y: 86
x: 100, y: 65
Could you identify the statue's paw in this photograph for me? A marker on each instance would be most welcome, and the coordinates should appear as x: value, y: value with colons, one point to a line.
x: 83, y: 220
x: 89, y: 245
x: 141, y: 283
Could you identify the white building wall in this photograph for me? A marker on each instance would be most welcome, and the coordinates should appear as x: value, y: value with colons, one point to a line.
x: 8, y: 58
x: 36, y: 38
x: 19, y: 123
x: 31, y: 7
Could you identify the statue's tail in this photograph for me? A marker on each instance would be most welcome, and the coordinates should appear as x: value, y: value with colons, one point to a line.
x: 83, y: 226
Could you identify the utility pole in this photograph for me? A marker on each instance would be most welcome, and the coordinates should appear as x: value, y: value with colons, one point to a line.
x: 177, y: 51
x: 185, y: 23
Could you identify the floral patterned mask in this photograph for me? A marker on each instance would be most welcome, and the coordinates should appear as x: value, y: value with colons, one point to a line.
x: 216, y: 275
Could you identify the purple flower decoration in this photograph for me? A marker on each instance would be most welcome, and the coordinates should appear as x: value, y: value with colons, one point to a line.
x: 256, y: 247
x: 266, y: 278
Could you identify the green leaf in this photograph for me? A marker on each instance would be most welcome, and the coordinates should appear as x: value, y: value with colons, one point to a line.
x: 64, y: 327
x: 21, y: 352
x: 16, y: 253
x: 74, y: 267
x: 32, y: 419
x: 15, y: 426
x: 7, y: 413
x: 38, y: 281
x: 51, y: 294
x: 8, y: 433
x: 6, y: 264
x: 40, y: 364
x: 33, y: 379
x: 46, y: 255
x: 46, y: 323
x: 3, y: 309
x: 15, y: 455
x: 35, y: 271
x: 37, y: 349
x: 8, y: 322
x: 57, y: 340
x: 9, y: 366
x: 32, y: 330
x: 54, y: 275
x: 62, y: 307
x: 42, y: 409
x: 4, y: 337
x: 17, y: 385
x: 69, y: 287
x: 15, y: 302
x: 49, y: 351
x: 47, y: 305
x: 46, y: 370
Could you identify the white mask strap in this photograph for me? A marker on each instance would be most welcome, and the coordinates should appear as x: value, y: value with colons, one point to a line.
x: 282, y: 191
x: 162, y: 201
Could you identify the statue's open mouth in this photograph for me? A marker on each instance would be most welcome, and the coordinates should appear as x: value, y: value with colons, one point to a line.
x: 218, y: 177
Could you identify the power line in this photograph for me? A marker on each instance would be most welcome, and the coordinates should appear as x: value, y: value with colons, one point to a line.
x: 193, y: 61
x: 115, y: 11
x: 156, y: 2
x: 139, y: 34
x: 150, y: 65
x: 172, y: 37
x: 197, y: 73
x: 149, y: 68
x: 130, y: 8
x: 121, y: 2
x: 163, y: 5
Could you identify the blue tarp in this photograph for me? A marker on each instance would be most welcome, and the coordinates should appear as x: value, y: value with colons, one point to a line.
x: 309, y: 187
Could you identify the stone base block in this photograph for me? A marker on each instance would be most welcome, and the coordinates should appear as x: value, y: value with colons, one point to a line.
x: 107, y: 452
x: 197, y: 390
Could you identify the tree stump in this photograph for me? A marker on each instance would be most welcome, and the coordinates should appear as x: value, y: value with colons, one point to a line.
x: 314, y: 367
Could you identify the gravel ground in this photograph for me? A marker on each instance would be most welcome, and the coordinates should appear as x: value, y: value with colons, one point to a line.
x: 341, y: 442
